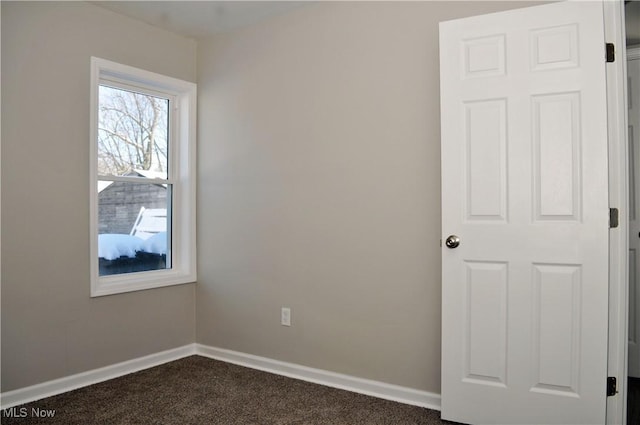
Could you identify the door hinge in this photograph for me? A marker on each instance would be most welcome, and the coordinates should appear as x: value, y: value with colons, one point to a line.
x: 613, y: 218
x: 612, y: 386
x: 611, y: 52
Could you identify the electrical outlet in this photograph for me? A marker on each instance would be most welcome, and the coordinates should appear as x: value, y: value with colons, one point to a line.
x: 285, y: 316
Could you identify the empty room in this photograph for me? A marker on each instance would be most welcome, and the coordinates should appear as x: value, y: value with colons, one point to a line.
x: 318, y: 212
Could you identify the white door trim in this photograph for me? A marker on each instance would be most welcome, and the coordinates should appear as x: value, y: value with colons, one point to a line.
x: 618, y: 198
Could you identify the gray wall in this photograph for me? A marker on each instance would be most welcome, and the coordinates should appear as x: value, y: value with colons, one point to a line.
x: 319, y: 188
x: 50, y: 326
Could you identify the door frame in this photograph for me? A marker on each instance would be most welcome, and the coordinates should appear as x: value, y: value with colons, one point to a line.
x: 618, y: 198
x: 631, y: 54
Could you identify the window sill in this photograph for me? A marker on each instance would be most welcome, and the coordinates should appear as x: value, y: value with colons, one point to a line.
x: 129, y: 282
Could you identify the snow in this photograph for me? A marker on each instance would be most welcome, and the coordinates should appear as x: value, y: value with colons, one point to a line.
x: 150, y: 174
x: 103, y: 184
x: 156, y: 244
x: 112, y: 246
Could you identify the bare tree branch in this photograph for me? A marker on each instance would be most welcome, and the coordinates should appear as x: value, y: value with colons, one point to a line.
x: 132, y: 132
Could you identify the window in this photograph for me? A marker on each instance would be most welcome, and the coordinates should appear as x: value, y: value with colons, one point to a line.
x: 143, y: 179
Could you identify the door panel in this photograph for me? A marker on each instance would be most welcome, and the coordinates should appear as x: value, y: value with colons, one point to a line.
x: 486, y: 160
x: 486, y: 323
x: 525, y: 187
x: 556, y: 328
x: 556, y: 153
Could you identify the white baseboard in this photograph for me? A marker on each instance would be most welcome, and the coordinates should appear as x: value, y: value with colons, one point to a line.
x: 47, y: 389
x: 318, y: 376
x: 331, y: 379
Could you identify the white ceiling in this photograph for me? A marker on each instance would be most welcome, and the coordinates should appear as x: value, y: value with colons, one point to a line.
x: 200, y: 18
x: 205, y: 18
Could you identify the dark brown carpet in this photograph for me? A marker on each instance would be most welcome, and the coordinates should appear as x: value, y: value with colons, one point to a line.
x: 198, y: 390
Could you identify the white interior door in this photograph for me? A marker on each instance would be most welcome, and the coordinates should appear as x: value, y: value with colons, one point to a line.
x: 525, y: 188
x: 633, y: 72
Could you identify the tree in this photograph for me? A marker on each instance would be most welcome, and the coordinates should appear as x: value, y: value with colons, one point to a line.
x: 132, y: 132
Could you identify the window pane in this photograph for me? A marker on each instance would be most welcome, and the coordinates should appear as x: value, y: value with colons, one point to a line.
x: 134, y: 227
x: 132, y: 134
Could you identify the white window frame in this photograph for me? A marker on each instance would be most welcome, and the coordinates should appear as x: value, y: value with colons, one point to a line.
x: 182, y: 176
